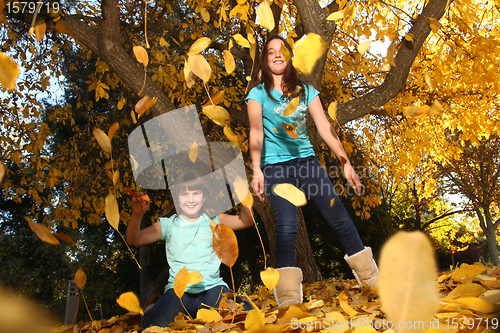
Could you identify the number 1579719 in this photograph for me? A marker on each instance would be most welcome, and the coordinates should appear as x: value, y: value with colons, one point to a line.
x: 30, y: 7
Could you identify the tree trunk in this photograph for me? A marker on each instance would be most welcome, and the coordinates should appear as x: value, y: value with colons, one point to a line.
x: 304, y: 256
x: 492, y: 245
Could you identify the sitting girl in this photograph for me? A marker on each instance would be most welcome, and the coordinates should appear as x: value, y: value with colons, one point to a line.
x: 188, y: 239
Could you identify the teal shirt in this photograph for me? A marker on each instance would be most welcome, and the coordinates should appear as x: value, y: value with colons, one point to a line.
x: 189, y: 244
x: 278, y: 146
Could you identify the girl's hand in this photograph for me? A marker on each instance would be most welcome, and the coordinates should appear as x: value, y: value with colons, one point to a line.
x: 258, y: 184
x: 352, y: 178
x: 139, y: 206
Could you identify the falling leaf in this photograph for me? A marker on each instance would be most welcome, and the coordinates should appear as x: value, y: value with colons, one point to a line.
x: 407, y: 283
x: 9, y: 71
x: 332, y: 202
x: 428, y: 81
x: 193, y: 152
x: 416, y: 112
x: 42, y: 231
x: 195, y: 277
x: 243, y: 193
x: 131, y: 193
x: 64, y: 237
x: 141, y: 55
x: 242, y: 41
x: 214, y: 99
x: 145, y: 198
x: 116, y: 176
x: 80, y: 278
x: 130, y: 302
x: 270, y: 277
x: 434, y: 24
x: 199, y: 45
x: 144, y: 104
x: 225, y: 244
x: 436, y: 108
x: 188, y: 75
x: 183, y: 278
x: 348, y: 14
x: 112, y: 130
x: 290, y: 193
x: 410, y: 37
x: 200, y: 67
x: 40, y: 29
x: 253, y: 50
x: 255, y: 319
x: 208, y: 315
x: 332, y: 110
x: 290, y: 130
x: 112, y: 211
x: 2, y: 171
x: 229, y: 63
x: 265, y: 15
x: 292, y: 106
x: 212, y: 225
x: 335, y: 16
x: 287, y: 55
x: 307, y: 52
x: 217, y: 114
x: 362, y: 48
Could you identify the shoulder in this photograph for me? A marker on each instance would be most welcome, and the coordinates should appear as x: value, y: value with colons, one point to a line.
x: 256, y: 92
x: 166, y: 224
x: 310, y: 92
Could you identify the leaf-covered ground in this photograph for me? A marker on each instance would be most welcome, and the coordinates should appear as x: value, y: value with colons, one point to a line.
x: 470, y: 302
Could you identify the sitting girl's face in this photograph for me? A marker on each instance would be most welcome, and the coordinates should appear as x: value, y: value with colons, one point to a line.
x: 191, y: 202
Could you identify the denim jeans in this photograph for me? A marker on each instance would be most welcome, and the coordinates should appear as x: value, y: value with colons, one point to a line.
x: 308, y: 175
x: 168, y: 306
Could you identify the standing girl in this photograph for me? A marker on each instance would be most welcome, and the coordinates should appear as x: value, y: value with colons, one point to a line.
x: 279, y: 158
x: 188, y: 238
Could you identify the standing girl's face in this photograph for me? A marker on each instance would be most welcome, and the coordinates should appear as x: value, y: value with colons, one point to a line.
x: 275, y: 61
x: 191, y: 202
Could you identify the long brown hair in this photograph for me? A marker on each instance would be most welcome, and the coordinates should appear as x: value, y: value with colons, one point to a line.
x: 191, y: 180
x: 291, y: 78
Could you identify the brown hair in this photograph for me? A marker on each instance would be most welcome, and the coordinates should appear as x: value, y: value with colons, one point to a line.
x: 191, y: 180
x: 291, y: 78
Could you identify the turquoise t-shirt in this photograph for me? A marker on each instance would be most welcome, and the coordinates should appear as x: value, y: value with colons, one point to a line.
x: 278, y: 146
x: 190, y: 244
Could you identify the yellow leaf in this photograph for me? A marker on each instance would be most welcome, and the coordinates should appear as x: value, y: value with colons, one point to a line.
x: 467, y: 290
x: 42, y: 231
x: 102, y: 139
x: 335, y: 16
x: 344, y: 304
x: 362, y: 48
x: 225, y: 244
x: 476, y: 304
x: 428, y: 81
x: 141, y: 55
x: 265, y: 15
x: 40, y: 30
x: 253, y: 50
x: 466, y: 273
x: 416, y: 112
x: 195, y: 277
x: 436, y: 108
x: 134, y: 119
x: 130, y: 302
x: 217, y: 114
x: 275, y: 130
x: 229, y: 63
x: 208, y: 315
x: 116, y: 176
x: 193, y: 152
x: 332, y: 202
x: 2, y: 171
x: 290, y: 193
x: 307, y: 52
x: 200, y: 67
x: 243, y: 193
x: 348, y: 14
x: 242, y: 41
x: 292, y: 106
x: 112, y: 130
x: 287, y: 56
x: 163, y: 42
x: 212, y: 225
x: 80, y: 278
x: 230, y: 135
x: 181, y: 281
x: 9, y: 71
x: 199, y: 45
x: 434, y: 24
x: 410, y: 37
x: 270, y: 277
x: 112, y: 211
x: 407, y: 282
x: 121, y: 103
x: 214, y: 99
x: 144, y: 104
x: 290, y: 130
x: 255, y: 319
x: 332, y: 110
x: 65, y: 238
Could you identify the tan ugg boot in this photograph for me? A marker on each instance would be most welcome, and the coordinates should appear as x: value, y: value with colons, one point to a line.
x: 364, y: 267
x: 288, y: 291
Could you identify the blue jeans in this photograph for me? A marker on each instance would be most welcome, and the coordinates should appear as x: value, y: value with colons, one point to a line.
x: 308, y: 175
x: 168, y: 306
